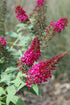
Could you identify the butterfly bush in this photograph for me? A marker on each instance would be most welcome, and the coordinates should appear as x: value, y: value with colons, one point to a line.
x: 42, y: 71
x: 2, y: 41
x: 21, y: 14
x: 59, y: 25
x: 40, y: 3
x: 28, y: 74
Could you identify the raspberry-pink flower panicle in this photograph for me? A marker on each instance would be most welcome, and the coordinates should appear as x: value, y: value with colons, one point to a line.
x: 21, y: 14
x: 59, y: 25
x: 42, y: 71
x: 33, y: 53
x: 2, y: 41
x: 40, y: 3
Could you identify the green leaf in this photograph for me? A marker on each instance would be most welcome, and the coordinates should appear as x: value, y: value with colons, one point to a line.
x: 11, y: 90
x: 5, y: 78
x: 11, y: 69
x: 2, y: 91
x: 12, y: 34
x: 17, y: 85
x: 18, y: 53
x: 9, y: 42
x: 11, y: 49
x: 20, y: 25
x: 2, y: 103
x: 30, y: 90
x: 23, y: 41
x: 2, y: 60
x: 30, y: 26
x: 21, y: 86
x: 17, y: 101
x: 18, y: 30
x: 18, y: 82
x: 37, y: 89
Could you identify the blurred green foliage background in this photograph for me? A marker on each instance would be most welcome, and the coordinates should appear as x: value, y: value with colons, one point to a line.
x: 60, y: 43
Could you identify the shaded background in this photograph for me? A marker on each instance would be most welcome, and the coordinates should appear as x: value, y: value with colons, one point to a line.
x: 61, y: 42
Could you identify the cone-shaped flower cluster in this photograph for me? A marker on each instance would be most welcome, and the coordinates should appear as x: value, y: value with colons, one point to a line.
x: 42, y: 71
x: 21, y: 14
x: 59, y: 25
x: 2, y: 41
x: 40, y: 3
x: 33, y: 53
